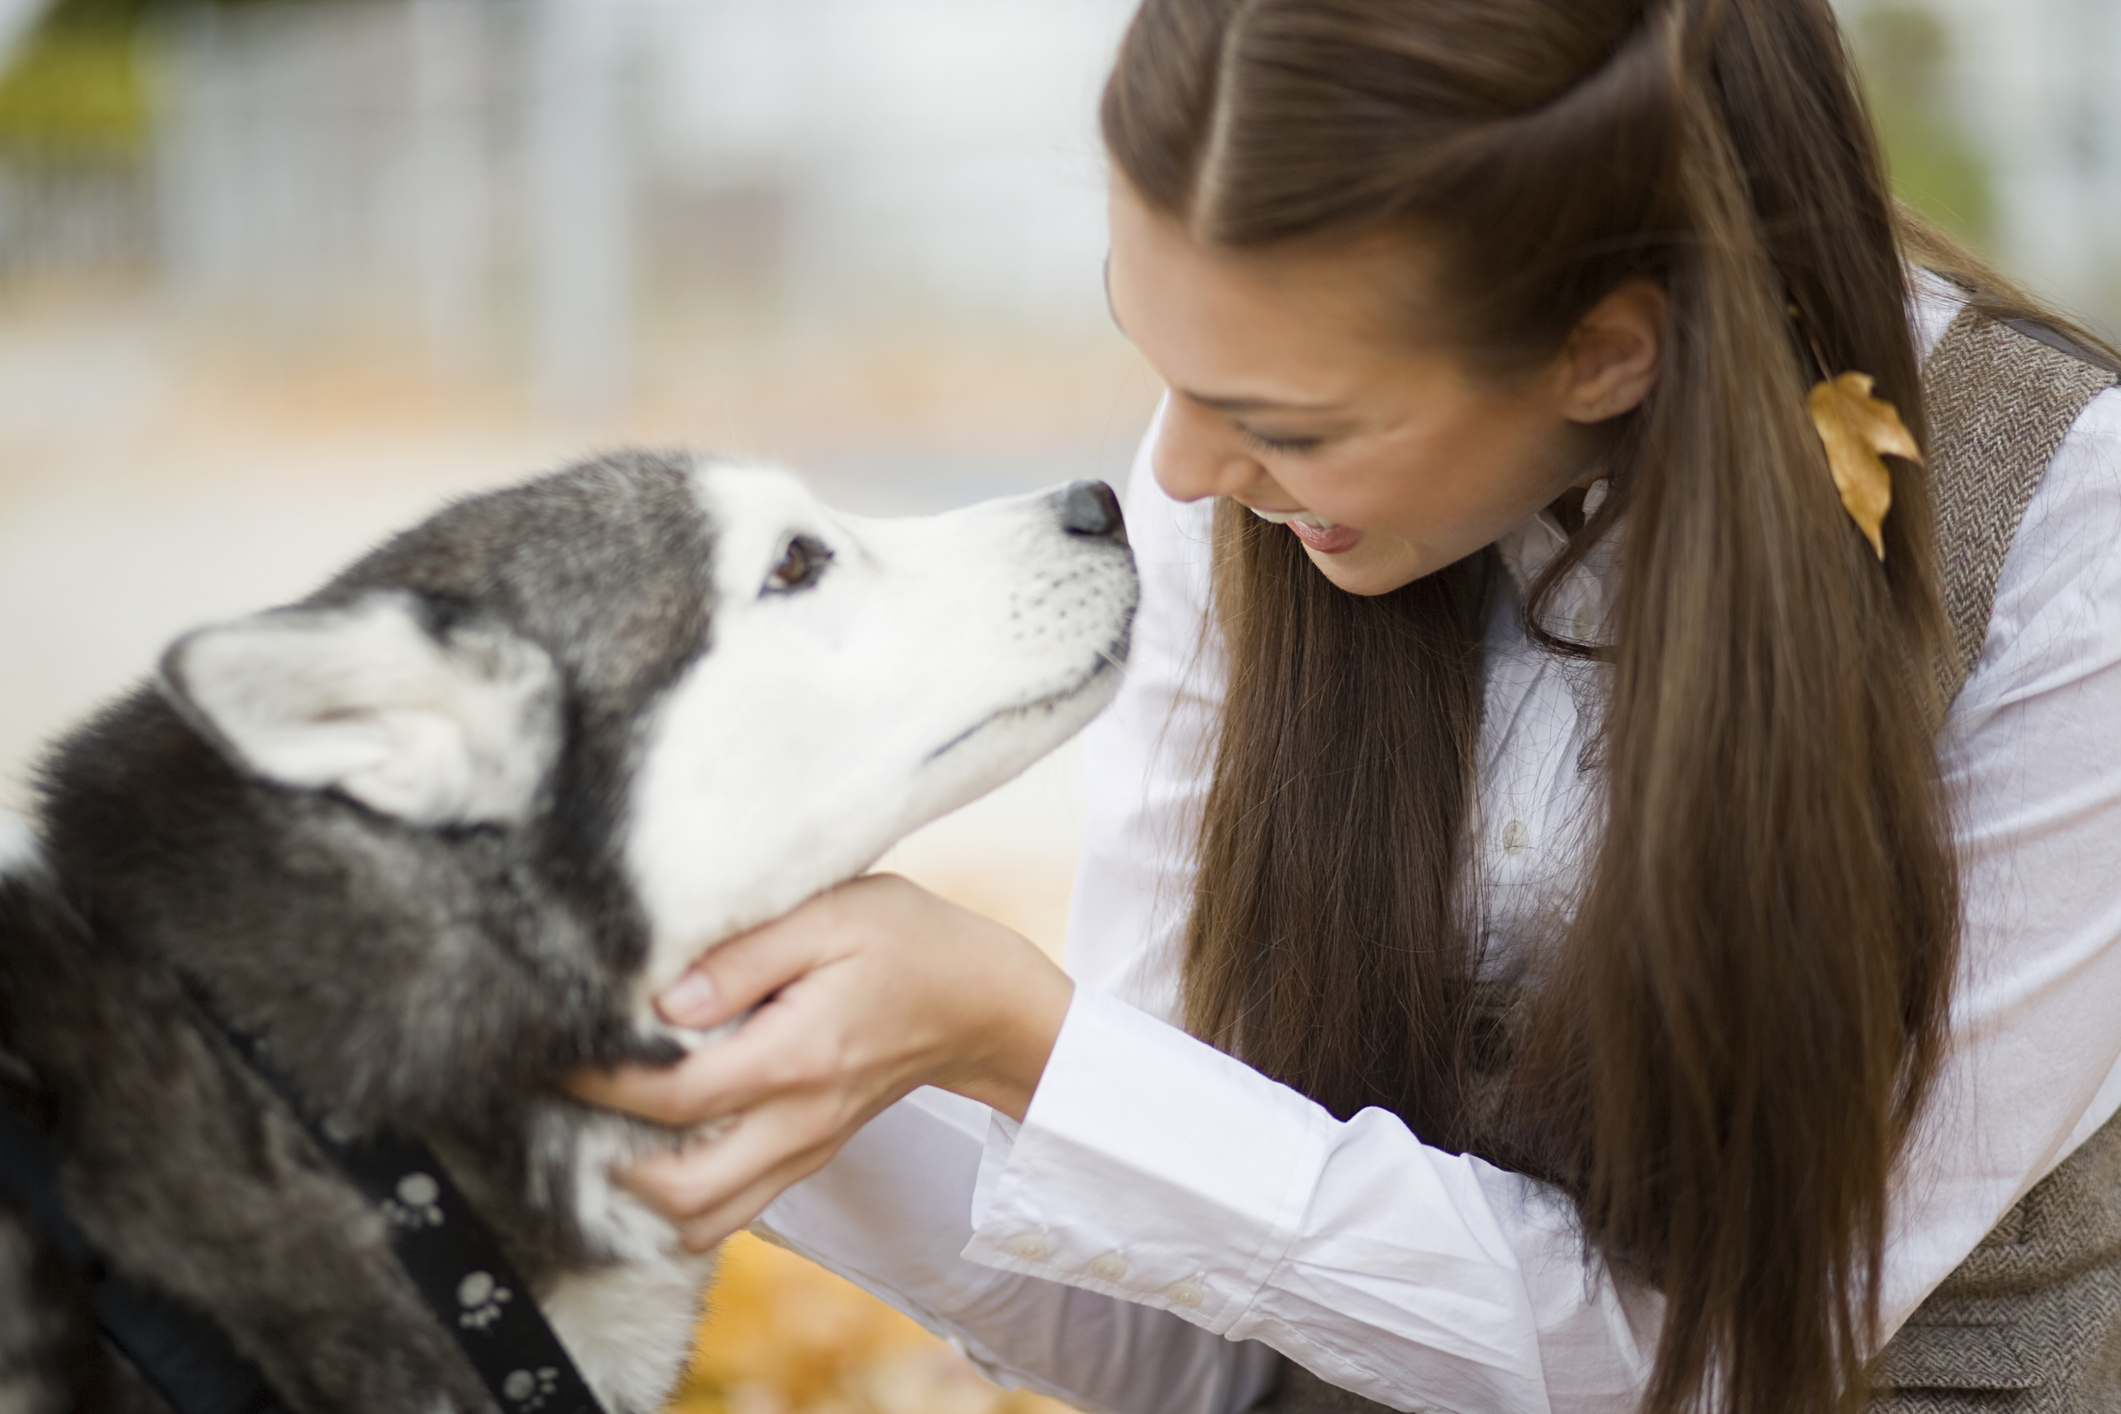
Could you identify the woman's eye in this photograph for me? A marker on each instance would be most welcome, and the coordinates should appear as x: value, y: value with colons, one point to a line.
x: 801, y: 564
x: 1286, y: 446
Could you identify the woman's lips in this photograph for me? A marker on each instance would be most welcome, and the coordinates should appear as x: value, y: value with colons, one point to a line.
x: 1332, y: 540
x: 1315, y: 531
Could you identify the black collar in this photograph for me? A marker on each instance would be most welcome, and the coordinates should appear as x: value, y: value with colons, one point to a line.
x: 451, y: 1256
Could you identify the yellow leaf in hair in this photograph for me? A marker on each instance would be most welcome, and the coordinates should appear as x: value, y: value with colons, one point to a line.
x: 1860, y: 431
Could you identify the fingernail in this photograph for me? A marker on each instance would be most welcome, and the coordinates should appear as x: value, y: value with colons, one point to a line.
x: 690, y: 1000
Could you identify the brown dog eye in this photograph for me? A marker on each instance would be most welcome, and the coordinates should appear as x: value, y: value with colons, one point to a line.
x: 800, y: 566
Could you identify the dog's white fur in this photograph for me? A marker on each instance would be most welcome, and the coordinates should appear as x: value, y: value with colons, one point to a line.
x: 629, y: 1326
x: 938, y: 658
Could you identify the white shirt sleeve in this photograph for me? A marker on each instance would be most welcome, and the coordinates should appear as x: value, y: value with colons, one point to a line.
x: 891, y: 1213
x: 1155, y: 1168
x: 1146, y: 762
x: 1154, y: 1174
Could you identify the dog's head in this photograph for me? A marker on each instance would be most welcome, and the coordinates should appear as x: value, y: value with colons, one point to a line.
x: 680, y: 687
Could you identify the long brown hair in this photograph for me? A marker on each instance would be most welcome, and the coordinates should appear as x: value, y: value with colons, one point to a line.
x: 1723, y: 1052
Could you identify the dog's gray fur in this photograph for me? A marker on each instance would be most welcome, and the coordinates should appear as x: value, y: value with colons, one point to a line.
x: 432, y: 980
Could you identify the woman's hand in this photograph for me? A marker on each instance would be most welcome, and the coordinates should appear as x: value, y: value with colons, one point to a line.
x: 864, y: 994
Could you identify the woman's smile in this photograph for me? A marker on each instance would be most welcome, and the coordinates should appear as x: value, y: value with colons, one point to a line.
x: 1316, y: 532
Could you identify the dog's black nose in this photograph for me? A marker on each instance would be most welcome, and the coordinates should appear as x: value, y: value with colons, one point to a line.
x: 1090, y: 508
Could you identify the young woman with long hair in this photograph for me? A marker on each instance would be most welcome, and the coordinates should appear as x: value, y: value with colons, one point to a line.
x: 1637, y: 932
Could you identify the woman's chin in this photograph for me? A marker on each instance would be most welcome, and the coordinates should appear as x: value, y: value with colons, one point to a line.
x: 1376, y: 565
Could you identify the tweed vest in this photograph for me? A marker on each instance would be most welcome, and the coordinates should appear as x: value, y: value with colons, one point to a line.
x: 2030, y: 1323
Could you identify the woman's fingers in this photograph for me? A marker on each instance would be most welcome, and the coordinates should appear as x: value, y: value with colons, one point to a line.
x: 665, y: 1096
x: 715, y: 1186
x: 767, y: 1054
x: 716, y: 1224
x: 861, y: 995
x: 767, y: 1051
x: 704, y: 1086
x: 743, y: 971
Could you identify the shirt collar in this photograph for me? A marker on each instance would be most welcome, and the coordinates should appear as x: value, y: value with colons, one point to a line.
x: 1531, y: 547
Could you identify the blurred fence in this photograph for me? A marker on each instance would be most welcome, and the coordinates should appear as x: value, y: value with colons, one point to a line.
x: 549, y: 187
x: 545, y: 185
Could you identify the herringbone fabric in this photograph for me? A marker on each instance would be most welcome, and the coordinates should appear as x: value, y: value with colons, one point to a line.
x: 2031, y: 1322
x: 2000, y: 403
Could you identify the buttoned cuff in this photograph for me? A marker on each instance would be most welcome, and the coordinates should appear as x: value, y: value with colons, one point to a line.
x: 1151, y: 1167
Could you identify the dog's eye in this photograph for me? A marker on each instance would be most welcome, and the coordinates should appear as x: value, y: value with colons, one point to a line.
x: 801, y: 564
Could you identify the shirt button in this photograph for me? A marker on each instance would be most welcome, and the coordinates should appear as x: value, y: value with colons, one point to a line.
x: 1515, y: 837
x: 1031, y: 1247
x: 1186, y: 1293
x: 1110, y: 1267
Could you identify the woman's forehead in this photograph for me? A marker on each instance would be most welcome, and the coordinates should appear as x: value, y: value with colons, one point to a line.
x: 1305, y: 326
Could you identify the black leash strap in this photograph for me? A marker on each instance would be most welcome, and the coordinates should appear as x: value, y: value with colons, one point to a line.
x: 451, y: 1256
x: 185, y: 1356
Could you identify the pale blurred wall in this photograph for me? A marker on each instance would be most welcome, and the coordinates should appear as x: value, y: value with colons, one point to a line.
x: 550, y: 186
x: 541, y: 176
x: 2007, y: 116
x: 2041, y: 84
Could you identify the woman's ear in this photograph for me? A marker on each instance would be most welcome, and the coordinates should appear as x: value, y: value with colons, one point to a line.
x: 1610, y: 362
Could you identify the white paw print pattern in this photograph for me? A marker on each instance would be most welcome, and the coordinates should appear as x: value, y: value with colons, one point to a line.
x: 529, y: 1390
x: 416, y: 1205
x: 482, y: 1298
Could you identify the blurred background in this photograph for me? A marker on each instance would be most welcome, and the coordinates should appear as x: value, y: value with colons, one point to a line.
x: 277, y: 276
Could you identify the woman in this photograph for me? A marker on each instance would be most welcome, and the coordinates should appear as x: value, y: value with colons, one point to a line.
x: 1636, y: 997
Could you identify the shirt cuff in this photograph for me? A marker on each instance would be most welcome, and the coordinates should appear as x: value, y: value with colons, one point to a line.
x: 1150, y: 1167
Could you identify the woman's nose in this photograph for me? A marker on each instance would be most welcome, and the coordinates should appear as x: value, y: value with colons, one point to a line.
x: 1197, y: 455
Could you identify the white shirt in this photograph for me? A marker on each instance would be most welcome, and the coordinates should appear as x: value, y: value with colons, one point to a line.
x: 1165, y: 1214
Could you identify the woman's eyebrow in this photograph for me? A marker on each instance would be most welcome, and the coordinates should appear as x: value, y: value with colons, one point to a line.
x: 1245, y: 405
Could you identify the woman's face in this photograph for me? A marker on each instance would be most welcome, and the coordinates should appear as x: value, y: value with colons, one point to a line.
x: 1299, y: 388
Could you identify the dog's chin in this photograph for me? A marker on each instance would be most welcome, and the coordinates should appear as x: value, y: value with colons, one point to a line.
x: 999, y: 747
x: 1028, y: 730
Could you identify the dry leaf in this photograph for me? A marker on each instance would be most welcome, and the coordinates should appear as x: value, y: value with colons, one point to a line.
x: 1859, y: 431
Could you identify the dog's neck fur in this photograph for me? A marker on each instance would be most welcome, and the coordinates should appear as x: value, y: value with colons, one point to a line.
x: 395, y: 923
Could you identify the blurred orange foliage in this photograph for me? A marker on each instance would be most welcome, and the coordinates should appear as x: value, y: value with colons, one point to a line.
x: 783, y: 1336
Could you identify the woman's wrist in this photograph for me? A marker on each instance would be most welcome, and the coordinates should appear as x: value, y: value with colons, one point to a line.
x: 1005, y: 1072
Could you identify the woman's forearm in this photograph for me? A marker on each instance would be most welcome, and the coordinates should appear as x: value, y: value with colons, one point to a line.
x: 891, y: 1214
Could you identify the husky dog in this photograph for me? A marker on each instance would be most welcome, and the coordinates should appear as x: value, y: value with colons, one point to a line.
x: 438, y: 834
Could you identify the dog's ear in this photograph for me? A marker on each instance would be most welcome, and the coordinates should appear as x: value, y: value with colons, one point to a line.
x: 455, y: 728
